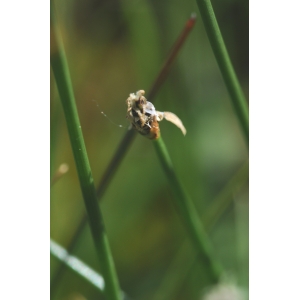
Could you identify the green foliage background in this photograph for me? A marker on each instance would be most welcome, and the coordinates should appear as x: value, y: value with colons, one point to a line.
x: 118, y: 47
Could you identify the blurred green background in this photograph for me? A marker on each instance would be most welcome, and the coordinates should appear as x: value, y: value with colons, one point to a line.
x: 115, y: 48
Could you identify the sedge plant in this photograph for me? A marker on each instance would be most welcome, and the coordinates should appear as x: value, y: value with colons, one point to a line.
x: 182, y: 201
x: 126, y: 142
x: 64, y: 85
x: 230, y: 79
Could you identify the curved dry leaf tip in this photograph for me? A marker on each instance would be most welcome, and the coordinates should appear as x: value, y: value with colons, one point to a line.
x: 175, y: 120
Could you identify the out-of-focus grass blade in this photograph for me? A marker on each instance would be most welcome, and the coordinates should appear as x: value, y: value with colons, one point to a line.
x: 64, y: 86
x: 77, y: 265
x: 173, y: 279
x: 129, y: 136
x: 226, y: 68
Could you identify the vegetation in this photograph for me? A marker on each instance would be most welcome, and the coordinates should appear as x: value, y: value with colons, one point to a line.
x: 113, y: 49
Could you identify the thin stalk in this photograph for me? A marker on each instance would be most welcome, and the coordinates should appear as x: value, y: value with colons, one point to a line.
x: 189, y: 25
x: 64, y: 85
x: 188, y: 212
x: 127, y: 140
x: 226, y: 68
x: 173, y: 280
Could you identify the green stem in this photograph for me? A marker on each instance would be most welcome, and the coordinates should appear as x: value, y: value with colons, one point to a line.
x: 222, y: 57
x: 127, y: 139
x: 172, y: 279
x: 64, y: 85
x: 188, y: 212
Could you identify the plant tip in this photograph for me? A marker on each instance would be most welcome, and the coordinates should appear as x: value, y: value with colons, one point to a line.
x: 144, y: 117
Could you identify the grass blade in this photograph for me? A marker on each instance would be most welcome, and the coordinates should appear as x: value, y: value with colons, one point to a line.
x: 226, y: 68
x: 173, y: 280
x: 128, y: 137
x: 77, y: 265
x: 64, y: 85
x: 188, y: 213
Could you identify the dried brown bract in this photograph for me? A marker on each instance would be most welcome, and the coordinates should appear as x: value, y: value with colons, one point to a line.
x: 144, y: 118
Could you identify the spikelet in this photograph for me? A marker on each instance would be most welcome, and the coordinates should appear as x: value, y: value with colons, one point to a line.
x: 144, y: 118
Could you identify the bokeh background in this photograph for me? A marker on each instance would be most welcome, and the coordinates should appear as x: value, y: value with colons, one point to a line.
x: 115, y: 48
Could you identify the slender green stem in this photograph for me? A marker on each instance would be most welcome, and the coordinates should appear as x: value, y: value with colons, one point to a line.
x: 222, y: 57
x: 187, y: 211
x: 127, y: 139
x: 64, y: 85
x: 173, y: 279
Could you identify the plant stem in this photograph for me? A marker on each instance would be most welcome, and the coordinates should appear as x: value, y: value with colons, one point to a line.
x: 172, y: 280
x: 222, y: 57
x: 64, y: 85
x: 127, y: 140
x: 189, y: 25
x: 187, y: 211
